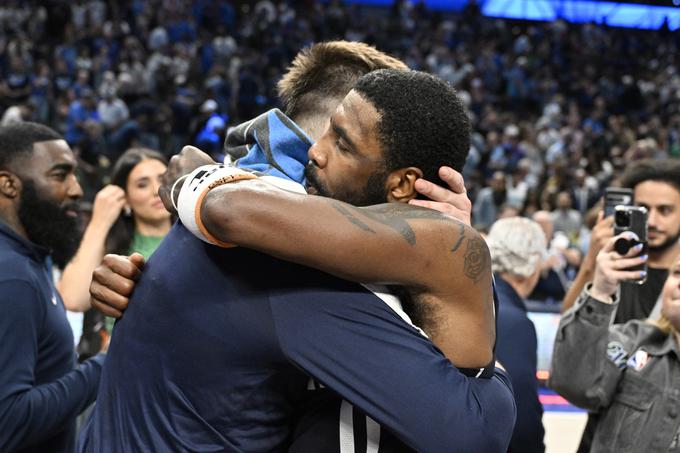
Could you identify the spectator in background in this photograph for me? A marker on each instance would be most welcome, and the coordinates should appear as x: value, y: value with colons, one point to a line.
x: 210, y: 130
x: 489, y: 201
x: 517, y: 185
x: 114, y: 115
x: 507, y: 155
x: 560, y: 261
x: 41, y: 390
x: 83, y: 126
x: 583, y: 191
x: 625, y: 372
x: 655, y: 185
x: 518, y: 247
x: 566, y: 219
x: 140, y: 226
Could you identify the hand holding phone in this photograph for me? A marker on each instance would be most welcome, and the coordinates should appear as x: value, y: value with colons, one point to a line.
x: 613, y: 268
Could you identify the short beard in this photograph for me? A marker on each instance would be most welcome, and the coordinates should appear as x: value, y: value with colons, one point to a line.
x: 374, y: 192
x: 670, y: 242
x: 48, y: 225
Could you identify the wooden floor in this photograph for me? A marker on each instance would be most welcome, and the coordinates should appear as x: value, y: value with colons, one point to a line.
x: 563, y: 431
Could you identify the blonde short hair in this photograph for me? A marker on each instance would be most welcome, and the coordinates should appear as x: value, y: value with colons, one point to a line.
x: 328, y: 70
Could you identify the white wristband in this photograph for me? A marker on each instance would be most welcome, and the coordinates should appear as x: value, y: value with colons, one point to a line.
x: 195, y: 188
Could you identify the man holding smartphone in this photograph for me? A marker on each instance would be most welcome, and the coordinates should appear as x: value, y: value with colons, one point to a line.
x: 656, y: 186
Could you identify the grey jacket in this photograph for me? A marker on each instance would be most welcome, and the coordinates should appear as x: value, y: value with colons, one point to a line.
x: 630, y: 373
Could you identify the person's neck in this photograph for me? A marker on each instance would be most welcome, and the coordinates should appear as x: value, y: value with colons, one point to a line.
x: 160, y: 228
x: 10, y: 218
x: 520, y: 285
x: 664, y: 259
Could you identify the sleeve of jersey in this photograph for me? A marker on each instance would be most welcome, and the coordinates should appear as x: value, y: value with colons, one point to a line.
x: 28, y: 413
x: 354, y: 344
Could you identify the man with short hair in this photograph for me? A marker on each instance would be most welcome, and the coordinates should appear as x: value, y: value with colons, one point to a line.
x: 329, y: 311
x: 656, y: 186
x: 41, y: 389
x: 366, y: 157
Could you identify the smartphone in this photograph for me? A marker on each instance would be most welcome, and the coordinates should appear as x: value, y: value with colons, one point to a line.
x: 634, y: 219
x: 615, y: 196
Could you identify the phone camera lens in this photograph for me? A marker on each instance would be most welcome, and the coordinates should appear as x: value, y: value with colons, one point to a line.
x: 622, y: 219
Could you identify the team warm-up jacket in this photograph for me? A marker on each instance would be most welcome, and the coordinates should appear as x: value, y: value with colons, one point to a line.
x: 41, y: 388
x: 217, y: 348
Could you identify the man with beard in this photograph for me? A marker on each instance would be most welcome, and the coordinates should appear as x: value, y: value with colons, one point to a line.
x: 244, y: 325
x: 41, y: 390
x: 656, y: 186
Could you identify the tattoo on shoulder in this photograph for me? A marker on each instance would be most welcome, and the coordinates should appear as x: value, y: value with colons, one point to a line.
x: 352, y: 218
x: 397, y: 215
x: 476, y: 261
x: 394, y: 216
x: 395, y: 222
x: 460, y: 238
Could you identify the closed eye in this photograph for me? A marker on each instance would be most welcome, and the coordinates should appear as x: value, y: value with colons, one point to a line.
x: 341, y: 146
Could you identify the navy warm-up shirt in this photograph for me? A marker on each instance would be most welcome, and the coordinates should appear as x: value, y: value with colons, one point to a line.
x: 217, y: 347
x: 41, y: 390
x: 516, y: 339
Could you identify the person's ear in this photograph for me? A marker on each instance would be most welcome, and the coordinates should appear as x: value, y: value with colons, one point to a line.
x: 10, y: 184
x: 401, y: 184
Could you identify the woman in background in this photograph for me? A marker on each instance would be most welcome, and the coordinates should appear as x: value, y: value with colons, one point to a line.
x: 127, y: 217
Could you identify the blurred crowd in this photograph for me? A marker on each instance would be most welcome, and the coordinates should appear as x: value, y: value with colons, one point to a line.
x: 559, y: 111
x: 557, y: 107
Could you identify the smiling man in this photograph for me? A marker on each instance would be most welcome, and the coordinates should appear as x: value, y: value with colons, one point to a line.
x: 41, y: 390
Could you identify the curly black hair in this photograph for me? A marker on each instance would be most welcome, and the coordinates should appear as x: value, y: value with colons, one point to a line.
x: 662, y: 170
x: 423, y: 123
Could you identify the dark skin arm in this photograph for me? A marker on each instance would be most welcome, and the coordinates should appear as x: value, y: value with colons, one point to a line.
x: 442, y: 262
x: 461, y: 305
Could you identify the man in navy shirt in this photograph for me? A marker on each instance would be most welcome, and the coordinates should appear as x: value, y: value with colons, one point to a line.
x: 518, y: 247
x: 318, y: 324
x: 41, y: 389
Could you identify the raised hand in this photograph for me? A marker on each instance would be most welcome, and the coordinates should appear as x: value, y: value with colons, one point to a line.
x: 612, y: 268
x: 453, y: 201
x: 189, y: 159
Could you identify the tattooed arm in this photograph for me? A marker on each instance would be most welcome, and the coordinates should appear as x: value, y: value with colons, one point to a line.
x: 437, y: 258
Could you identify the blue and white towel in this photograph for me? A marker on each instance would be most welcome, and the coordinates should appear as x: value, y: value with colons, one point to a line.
x: 271, y: 144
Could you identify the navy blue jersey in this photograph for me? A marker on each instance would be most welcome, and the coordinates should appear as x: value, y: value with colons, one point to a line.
x: 327, y: 423
x: 217, y: 347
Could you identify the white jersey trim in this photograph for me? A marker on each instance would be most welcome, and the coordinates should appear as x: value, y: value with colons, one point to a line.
x: 393, y: 302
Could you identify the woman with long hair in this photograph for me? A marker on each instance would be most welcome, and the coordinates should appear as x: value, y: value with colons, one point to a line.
x: 144, y: 221
x: 127, y: 217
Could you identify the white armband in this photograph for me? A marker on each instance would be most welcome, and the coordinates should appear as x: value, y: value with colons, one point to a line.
x: 196, y: 187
